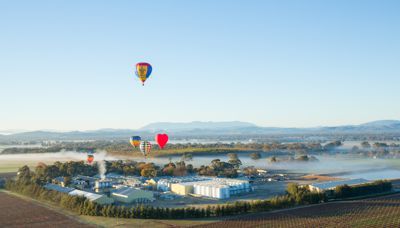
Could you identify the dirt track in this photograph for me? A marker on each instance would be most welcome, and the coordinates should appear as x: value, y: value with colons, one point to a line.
x: 16, y: 212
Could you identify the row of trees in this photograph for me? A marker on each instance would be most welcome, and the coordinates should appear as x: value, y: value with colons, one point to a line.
x: 377, y: 149
x: 346, y: 191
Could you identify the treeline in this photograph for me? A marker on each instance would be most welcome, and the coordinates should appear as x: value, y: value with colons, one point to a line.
x: 346, y: 191
x: 198, y: 148
x: 74, y: 203
x: 123, y: 147
x: 179, y: 168
x: 377, y: 149
x: 45, y: 173
x: 86, y: 207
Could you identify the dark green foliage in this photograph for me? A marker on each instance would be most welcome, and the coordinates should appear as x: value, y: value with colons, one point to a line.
x: 333, y: 145
x: 218, y: 168
x: 345, y: 191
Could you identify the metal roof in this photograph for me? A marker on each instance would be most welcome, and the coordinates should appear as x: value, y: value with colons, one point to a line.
x: 58, y: 188
x: 89, y: 195
x: 126, y: 191
x: 333, y: 184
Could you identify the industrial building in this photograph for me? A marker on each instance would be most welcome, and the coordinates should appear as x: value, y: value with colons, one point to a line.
x: 58, y: 188
x: 212, y: 190
x: 220, y: 188
x: 132, y: 195
x: 132, y: 181
x: 183, y: 189
x: 96, y: 198
x: 164, y: 185
x: 103, y: 186
x: 331, y: 185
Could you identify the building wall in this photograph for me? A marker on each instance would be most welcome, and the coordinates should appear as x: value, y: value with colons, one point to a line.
x: 181, y: 189
x: 138, y: 196
x: 219, y: 192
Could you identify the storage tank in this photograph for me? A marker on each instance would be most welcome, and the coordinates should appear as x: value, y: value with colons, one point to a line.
x: 227, y: 193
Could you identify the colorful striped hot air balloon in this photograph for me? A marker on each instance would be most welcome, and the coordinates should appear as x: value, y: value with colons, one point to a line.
x: 145, y: 147
x: 135, y: 141
x: 143, y: 71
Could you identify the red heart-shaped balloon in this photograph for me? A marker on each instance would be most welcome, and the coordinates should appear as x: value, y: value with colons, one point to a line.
x: 161, y: 140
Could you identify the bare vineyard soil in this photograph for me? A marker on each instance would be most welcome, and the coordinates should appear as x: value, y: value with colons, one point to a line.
x: 377, y: 212
x: 16, y: 212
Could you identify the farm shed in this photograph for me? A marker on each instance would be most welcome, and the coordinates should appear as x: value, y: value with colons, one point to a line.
x: 58, y: 188
x: 331, y: 185
x: 132, y: 195
x: 97, y: 198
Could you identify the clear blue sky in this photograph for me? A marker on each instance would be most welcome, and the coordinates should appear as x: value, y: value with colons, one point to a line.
x: 70, y: 64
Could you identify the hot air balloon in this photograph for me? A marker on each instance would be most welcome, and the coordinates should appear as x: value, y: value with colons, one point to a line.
x: 135, y: 141
x: 145, y: 147
x: 143, y: 71
x: 161, y: 140
x: 90, y: 158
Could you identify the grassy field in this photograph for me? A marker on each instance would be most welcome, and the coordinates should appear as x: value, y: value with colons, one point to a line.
x: 376, y: 212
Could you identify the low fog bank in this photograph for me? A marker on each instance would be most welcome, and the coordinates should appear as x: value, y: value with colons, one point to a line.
x: 53, y: 157
x: 346, y: 166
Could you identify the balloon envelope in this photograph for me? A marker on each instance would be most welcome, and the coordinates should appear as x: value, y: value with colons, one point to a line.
x: 161, y: 140
x: 145, y: 147
x: 90, y: 158
x: 135, y: 141
x: 143, y: 71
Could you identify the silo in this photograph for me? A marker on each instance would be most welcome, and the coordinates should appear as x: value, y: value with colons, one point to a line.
x: 227, y: 193
x: 217, y: 193
x: 222, y: 193
x: 207, y: 190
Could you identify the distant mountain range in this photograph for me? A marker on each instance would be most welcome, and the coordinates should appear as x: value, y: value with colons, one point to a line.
x: 196, y: 125
x: 198, y: 128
